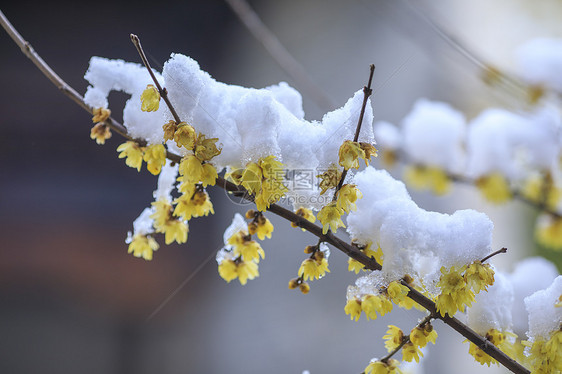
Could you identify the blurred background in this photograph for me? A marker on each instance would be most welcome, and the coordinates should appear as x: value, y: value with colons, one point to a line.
x: 72, y: 299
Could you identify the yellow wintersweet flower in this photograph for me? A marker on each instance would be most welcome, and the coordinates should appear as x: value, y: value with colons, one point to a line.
x: 272, y: 169
x: 313, y: 269
x: 100, y: 133
x: 227, y: 270
x: 264, y: 227
x: 247, y: 270
x: 455, y: 294
x: 480, y: 356
x: 347, y: 196
x: 304, y: 287
x: 478, y: 276
x: 252, y: 178
x: 411, y: 352
x: 377, y: 367
x: 133, y: 152
x: 162, y: 214
x: 356, y: 266
x: 397, y: 291
x: 169, y: 128
x: 371, y: 304
x: 427, y: 178
x: 306, y: 214
x: 329, y: 179
x: 370, y: 151
x: 195, y: 204
x: 541, y: 189
x: 330, y: 217
x: 193, y: 171
x: 249, y: 250
x: 495, y: 188
x: 353, y: 308
x: 349, y: 154
x: 420, y: 336
x: 185, y: 136
x: 546, y: 356
x: 234, y: 175
x: 155, y: 158
x: 100, y: 115
x: 175, y: 230
x: 150, y: 99
x: 394, y: 337
x: 205, y: 149
x: 548, y: 231
x: 143, y: 246
x: 559, y: 303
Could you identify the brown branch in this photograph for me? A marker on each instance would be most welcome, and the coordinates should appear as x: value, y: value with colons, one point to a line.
x: 503, y: 250
x: 367, y: 91
x: 280, y: 54
x: 163, y: 92
x: 348, y: 249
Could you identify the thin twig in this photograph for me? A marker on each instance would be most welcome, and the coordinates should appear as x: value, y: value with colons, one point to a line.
x: 348, y: 249
x: 406, y: 339
x: 280, y: 54
x: 163, y: 92
x: 367, y: 91
x: 503, y: 250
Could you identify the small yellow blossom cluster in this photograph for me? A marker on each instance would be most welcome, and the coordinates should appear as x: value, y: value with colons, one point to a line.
x: 372, y: 304
x: 316, y: 266
x: 173, y: 228
x: 421, y: 335
x: 143, y: 246
x: 356, y: 266
x: 541, y: 190
x: 195, y: 168
x: 300, y: 283
x: 350, y: 152
x: 100, y: 132
x: 497, y: 338
x: 428, y: 178
x: 395, y: 339
x: 330, y: 215
x: 495, y: 188
x: 194, y: 202
x: 260, y: 225
x: 382, y: 367
x: 245, y: 253
x: 150, y: 99
x: 306, y: 214
x: 329, y: 179
x: 548, y: 231
x: 458, y: 289
x: 546, y: 356
x: 153, y: 155
x: 263, y: 179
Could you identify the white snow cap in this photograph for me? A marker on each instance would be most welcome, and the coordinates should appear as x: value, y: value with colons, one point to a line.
x: 388, y: 135
x: 530, y: 275
x: 544, y: 317
x: 434, y: 134
x: 492, y: 309
x: 415, y: 241
x: 142, y: 225
x: 166, y: 181
x: 539, y: 62
x: 509, y: 143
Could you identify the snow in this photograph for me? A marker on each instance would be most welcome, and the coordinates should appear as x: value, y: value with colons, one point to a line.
x: 492, y: 309
x: 433, y: 134
x: 539, y: 62
x: 544, y: 317
x: 410, y: 237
